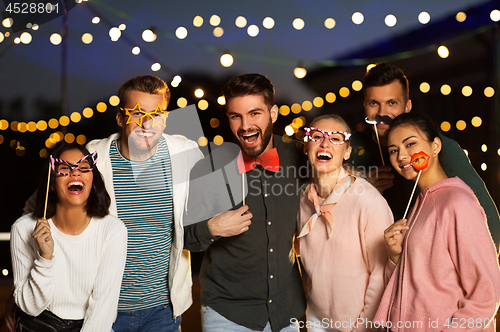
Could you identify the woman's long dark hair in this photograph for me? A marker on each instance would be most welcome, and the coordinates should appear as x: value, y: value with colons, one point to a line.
x: 98, y: 201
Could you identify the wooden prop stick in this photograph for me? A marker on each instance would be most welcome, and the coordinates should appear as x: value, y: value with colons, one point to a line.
x: 243, y: 186
x: 411, y: 197
x: 48, y: 186
x: 379, y: 147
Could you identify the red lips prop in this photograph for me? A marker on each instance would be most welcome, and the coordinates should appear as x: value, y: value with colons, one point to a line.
x: 419, y: 168
x: 417, y: 156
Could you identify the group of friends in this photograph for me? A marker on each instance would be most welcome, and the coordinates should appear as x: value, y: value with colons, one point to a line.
x: 104, y: 244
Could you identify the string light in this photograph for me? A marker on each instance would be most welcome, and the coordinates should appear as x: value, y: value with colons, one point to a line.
x: 298, y: 24
x: 268, y: 23
x: 96, y: 20
x: 443, y: 51
x: 461, y: 16
x: 136, y: 50
x: 198, y: 21
x: 240, y: 22
x: 87, y: 38
x: 253, y: 30
x: 115, y: 33
x: 299, y: 71
x: 425, y: 87
x: 214, y: 20
x: 181, y: 32
x: 226, y: 60
x: 55, y: 39
x: 330, y: 23
x: 25, y: 38
x: 357, y: 18
x: 424, y: 17
x: 148, y: 36
x: 218, y: 32
x: 390, y: 20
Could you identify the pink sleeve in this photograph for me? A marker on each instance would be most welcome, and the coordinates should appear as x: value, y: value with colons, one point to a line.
x: 375, y: 252
x: 473, y: 253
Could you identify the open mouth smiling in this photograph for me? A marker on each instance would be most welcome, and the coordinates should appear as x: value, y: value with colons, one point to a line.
x: 144, y: 134
x: 75, y: 187
x: 251, y: 138
x: 324, y: 156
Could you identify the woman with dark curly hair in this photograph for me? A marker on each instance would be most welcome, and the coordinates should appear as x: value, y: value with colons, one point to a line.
x: 68, y: 267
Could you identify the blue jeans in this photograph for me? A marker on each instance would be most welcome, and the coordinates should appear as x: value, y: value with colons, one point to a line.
x: 157, y: 319
x: 215, y: 322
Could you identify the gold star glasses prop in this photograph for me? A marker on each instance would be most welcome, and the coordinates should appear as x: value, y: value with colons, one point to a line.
x: 137, y: 115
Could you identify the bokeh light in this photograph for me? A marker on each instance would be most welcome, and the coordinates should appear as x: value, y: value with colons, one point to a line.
x: 318, y: 102
x: 81, y: 139
x: 101, y: 107
x: 182, y: 102
x: 268, y: 23
x: 202, y: 141
x: 198, y: 21
x: 214, y: 20
x: 55, y: 38
x: 443, y: 51
x: 307, y: 105
x: 88, y: 112
x: 461, y: 16
x: 284, y: 110
x: 221, y: 100
x: 75, y: 117
x: 114, y: 100
x: 357, y: 85
x: 390, y: 20
x: 218, y: 140
x: 467, y: 91
x: 136, y: 50
x: 64, y: 121
x: 240, y: 22
x: 198, y: 93
x: 489, y: 92
x: 296, y: 108
x: 425, y: 87
x: 330, y: 97
x: 87, y: 38
x: 357, y: 18
x: 344, y: 92
x: 330, y: 23
x: 203, y: 104
x: 253, y: 30
x: 424, y: 17
x: 461, y: 125
x: 155, y: 66
x: 445, y: 89
x: 476, y: 121
x: 218, y: 32
x: 298, y: 24
x: 181, y: 32
x: 445, y: 126
x: 226, y: 60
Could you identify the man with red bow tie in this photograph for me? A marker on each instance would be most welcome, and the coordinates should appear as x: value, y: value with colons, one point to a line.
x: 243, y: 206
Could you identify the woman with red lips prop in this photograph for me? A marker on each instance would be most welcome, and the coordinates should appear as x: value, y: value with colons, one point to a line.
x: 443, y: 273
x: 341, y: 242
x: 68, y: 268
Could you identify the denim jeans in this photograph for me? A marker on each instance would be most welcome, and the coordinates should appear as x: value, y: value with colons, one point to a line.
x: 157, y: 319
x: 215, y: 322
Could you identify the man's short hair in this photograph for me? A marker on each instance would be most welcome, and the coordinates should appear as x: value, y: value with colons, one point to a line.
x: 385, y: 73
x: 144, y: 83
x: 249, y: 84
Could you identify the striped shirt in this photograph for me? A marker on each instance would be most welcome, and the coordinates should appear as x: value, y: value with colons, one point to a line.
x: 143, y: 192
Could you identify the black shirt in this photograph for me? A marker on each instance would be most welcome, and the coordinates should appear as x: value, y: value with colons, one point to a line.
x: 251, y: 278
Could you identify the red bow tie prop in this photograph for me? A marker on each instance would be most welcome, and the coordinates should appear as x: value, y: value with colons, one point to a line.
x: 269, y: 160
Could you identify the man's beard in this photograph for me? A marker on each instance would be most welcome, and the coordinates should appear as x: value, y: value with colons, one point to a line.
x: 265, y: 138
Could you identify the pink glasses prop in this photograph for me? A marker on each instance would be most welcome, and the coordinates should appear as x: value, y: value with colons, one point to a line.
x: 62, y: 167
x: 318, y: 135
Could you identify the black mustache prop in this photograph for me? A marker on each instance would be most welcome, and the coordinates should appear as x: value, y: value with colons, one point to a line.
x: 379, y: 119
